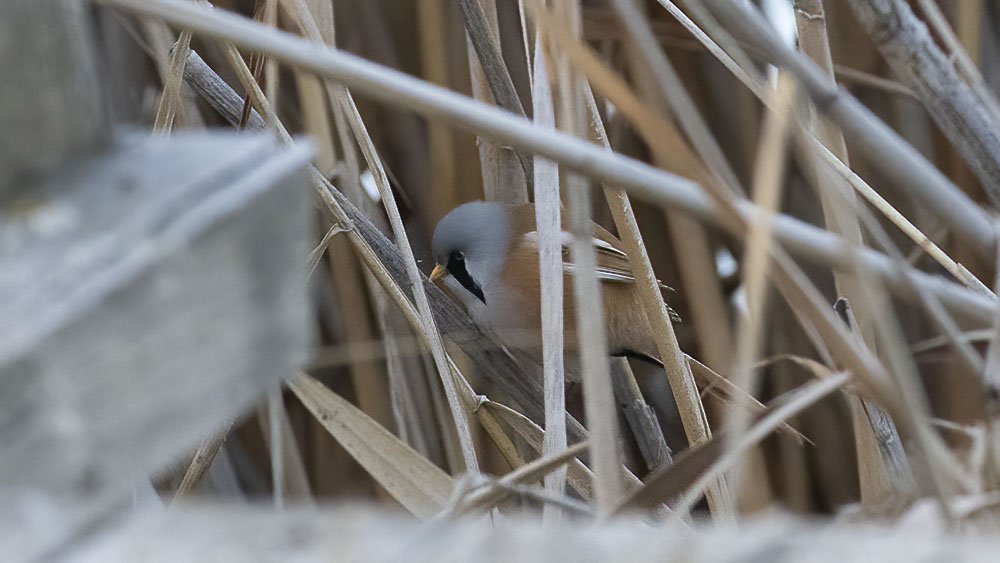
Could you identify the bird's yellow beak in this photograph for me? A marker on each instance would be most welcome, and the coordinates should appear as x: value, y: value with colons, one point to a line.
x: 438, y: 272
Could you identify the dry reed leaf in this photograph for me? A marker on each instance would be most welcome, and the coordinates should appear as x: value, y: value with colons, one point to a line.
x: 722, y: 387
x: 493, y: 493
x: 787, y: 406
x: 409, y: 477
x: 691, y: 469
x: 170, y: 99
x: 578, y: 475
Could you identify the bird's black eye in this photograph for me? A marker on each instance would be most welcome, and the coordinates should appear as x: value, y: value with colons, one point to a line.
x: 458, y: 255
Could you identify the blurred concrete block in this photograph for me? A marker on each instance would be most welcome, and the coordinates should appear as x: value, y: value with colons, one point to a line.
x: 146, y: 296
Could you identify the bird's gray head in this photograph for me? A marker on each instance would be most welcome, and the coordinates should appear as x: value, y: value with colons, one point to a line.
x: 470, y: 243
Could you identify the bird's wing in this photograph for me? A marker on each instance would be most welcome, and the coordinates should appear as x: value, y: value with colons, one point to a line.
x: 612, y: 263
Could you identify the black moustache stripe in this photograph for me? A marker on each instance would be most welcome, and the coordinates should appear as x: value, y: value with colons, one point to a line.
x: 457, y: 269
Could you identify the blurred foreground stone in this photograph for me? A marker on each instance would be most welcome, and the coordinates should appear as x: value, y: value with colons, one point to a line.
x: 344, y: 533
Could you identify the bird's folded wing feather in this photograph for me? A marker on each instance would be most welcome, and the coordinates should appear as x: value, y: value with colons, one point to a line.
x: 612, y: 263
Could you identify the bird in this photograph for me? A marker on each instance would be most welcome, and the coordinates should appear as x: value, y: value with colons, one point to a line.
x: 486, y: 256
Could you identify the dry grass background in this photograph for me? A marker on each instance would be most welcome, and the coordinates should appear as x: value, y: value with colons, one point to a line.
x: 777, y: 197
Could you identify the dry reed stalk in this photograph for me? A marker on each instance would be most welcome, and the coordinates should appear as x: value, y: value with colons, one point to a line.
x: 432, y: 24
x: 361, y: 244
x: 645, y: 427
x: 598, y: 391
x: 754, y: 83
x: 161, y: 41
x: 958, y: 271
x: 745, y: 74
x: 373, y: 263
x: 848, y: 74
x: 641, y: 179
x: 800, y: 292
x: 370, y: 386
x: 647, y: 430
x: 991, y: 391
x: 547, y: 218
x: 768, y: 179
x: 416, y: 483
x: 201, y: 462
x: 733, y: 57
x: 839, y: 216
x: 792, y: 403
x: 678, y: 372
x: 640, y: 416
x: 506, y: 174
x: 316, y: 119
x: 883, y: 147
x: 960, y: 105
x: 170, y: 99
x: 679, y: 375
x: 409, y: 396
x: 495, y: 492
x: 340, y: 94
x: 276, y: 447
x: 288, y: 474
x: 932, y: 446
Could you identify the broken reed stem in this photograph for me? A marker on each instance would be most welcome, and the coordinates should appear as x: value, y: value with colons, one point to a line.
x: 202, y: 461
x: 170, y: 98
